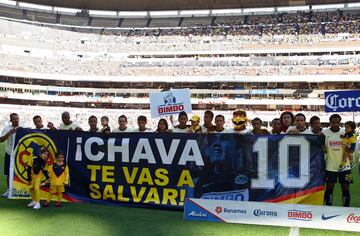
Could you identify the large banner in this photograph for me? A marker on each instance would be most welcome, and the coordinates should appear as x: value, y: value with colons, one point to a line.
x: 341, y: 101
x: 161, y: 170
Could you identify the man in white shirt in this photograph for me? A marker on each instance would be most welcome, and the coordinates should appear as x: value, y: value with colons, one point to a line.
x: 38, y: 123
x: 141, y: 121
x: 333, y: 158
x: 122, y: 120
x: 315, y: 125
x: 208, y: 126
x: 182, y: 127
x: 67, y: 123
x: 93, y: 124
x: 299, y: 127
x: 7, y: 136
x: 219, y: 125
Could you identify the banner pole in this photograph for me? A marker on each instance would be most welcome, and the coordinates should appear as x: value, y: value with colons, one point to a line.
x: 11, y: 170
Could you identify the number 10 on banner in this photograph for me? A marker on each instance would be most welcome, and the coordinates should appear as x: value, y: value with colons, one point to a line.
x: 261, y: 148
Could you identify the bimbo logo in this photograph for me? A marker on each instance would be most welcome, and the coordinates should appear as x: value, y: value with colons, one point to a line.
x: 352, y: 218
x: 259, y: 212
x: 170, y: 104
x: 335, y: 102
x: 300, y: 215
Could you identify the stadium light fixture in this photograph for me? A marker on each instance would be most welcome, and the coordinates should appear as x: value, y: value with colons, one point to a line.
x: 328, y: 6
x: 260, y: 9
x: 293, y: 8
x: 66, y: 10
x: 354, y: 4
x: 102, y: 13
x: 7, y: 2
x: 35, y: 6
x: 194, y: 12
x: 163, y: 13
x: 226, y: 11
x: 133, y: 13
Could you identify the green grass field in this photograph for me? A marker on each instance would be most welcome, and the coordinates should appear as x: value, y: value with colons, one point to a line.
x: 92, y: 219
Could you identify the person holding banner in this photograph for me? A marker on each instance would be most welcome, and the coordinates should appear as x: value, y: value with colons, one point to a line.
x: 276, y: 126
x: 7, y: 137
x: 240, y: 121
x: 219, y: 125
x: 38, y: 123
x: 93, y: 124
x: 141, y: 121
x: 36, y: 167
x: 122, y: 120
x: 286, y: 119
x: 333, y: 157
x: 68, y: 124
x: 256, y: 124
x: 182, y: 127
x: 208, y: 126
x: 315, y: 125
x: 162, y: 126
x: 299, y: 127
x: 195, y: 124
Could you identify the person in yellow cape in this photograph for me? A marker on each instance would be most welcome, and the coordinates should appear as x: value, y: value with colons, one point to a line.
x: 59, y: 177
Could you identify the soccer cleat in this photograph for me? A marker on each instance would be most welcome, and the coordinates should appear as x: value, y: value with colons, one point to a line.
x: 58, y: 204
x: 37, y: 206
x: 31, y: 204
x: 6, y: 194
x: 46, y: 205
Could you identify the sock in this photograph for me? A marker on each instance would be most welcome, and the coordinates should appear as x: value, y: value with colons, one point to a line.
x: 59, y: 196
x: 328, y: 197
x: 346, y: 198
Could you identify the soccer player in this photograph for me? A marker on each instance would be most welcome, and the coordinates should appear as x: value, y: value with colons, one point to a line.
x: 141, y: 121
x: 122, y: 120
x: 7, y: 137
x: 286, y: 119
x: 276, y: 126
x: 38, y: 122
x: 93, y: 124
x: 208, y: 126
x: 333, y: 158
x: 219, y: 125
x: 299, y: 127
x: 68, y: 124
x: 182, y: 127
x: 315, y: 125
x: 256, y: 124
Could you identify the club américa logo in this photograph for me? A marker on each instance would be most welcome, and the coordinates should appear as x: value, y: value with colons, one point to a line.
x: 27, y: 147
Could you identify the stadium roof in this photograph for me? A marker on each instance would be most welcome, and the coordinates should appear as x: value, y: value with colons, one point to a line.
x: 153, y: 5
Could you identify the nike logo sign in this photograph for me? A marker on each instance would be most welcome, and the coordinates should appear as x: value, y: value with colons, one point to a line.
x: 328, y: 217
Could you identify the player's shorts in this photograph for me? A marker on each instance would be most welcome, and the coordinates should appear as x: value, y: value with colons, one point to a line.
x: 343, y: 177
x: 6, y: 164
x: 57, y: 189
